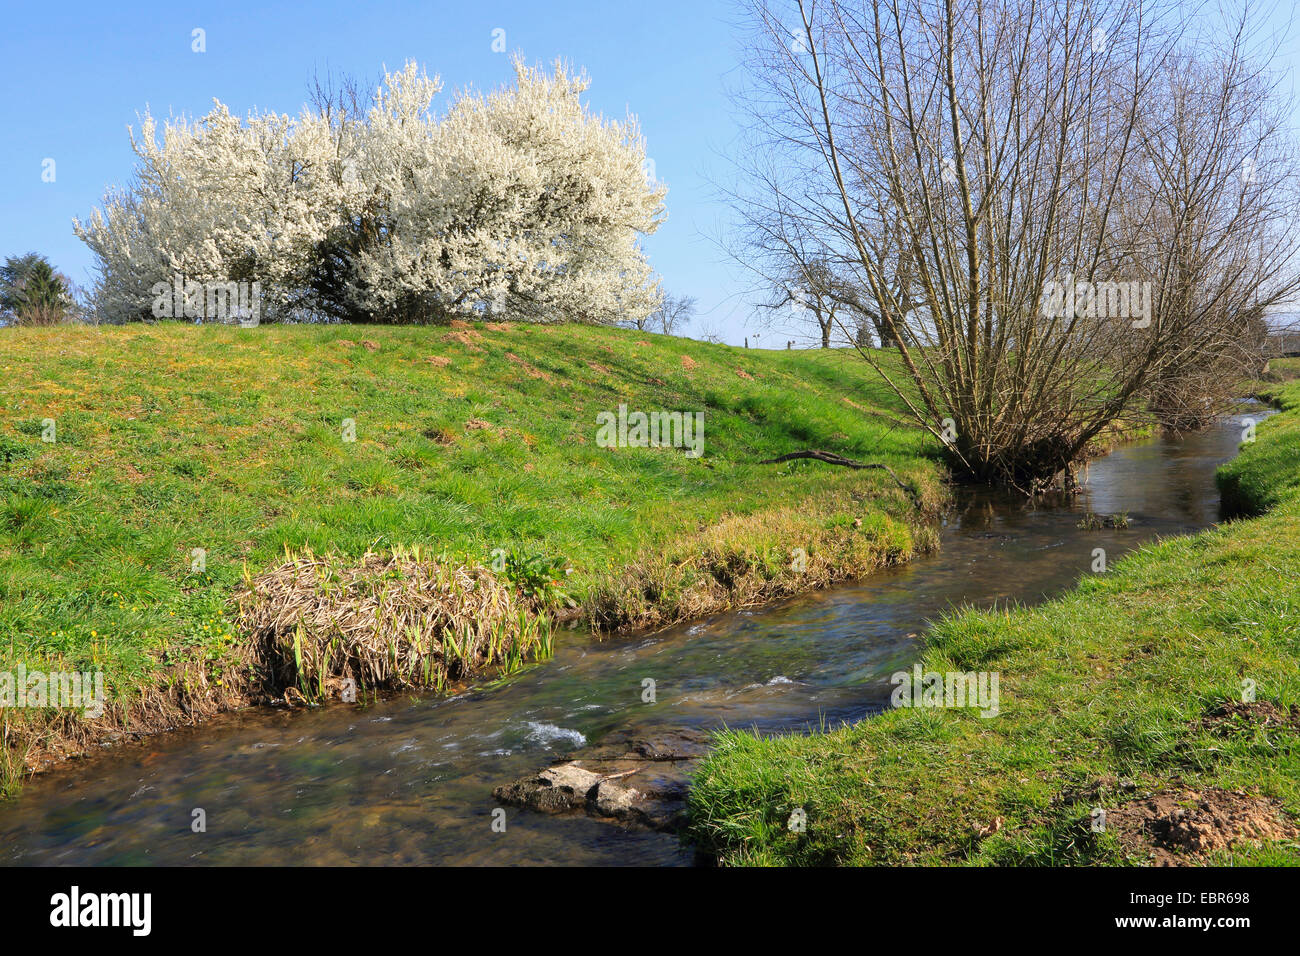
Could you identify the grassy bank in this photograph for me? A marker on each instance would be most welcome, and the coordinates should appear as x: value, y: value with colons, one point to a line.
x: 1270, y: 385
x: 1129, y: 695
x: 195, y: 467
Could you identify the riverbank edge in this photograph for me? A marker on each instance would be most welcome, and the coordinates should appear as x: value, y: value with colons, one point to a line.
x: 740, y: 562
x: 1172, y: 678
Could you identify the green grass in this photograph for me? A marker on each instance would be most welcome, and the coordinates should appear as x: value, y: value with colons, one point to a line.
x: 1107, y: 683
x: 1265, y: 474
x: 171, y: 438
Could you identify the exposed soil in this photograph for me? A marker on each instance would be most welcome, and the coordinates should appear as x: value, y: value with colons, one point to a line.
x: 186, y: 697
x: 442, y: 436
x: 1232, y: 717
x: 530, y: 370
x: 1183, y: 827
x: 464, y: 337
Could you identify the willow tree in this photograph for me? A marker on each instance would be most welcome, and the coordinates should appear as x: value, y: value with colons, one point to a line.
x: 1216, y: 213
x: 996, y: 179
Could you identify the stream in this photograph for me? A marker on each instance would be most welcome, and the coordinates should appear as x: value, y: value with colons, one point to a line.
x: 409, y: 780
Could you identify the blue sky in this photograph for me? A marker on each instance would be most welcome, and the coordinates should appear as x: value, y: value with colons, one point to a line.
x: 76, y: 74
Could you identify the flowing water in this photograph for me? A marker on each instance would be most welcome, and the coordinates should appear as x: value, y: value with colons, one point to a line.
x: 409, y: 780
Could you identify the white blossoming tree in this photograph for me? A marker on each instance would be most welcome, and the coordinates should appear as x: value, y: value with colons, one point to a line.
x: 521, y: 204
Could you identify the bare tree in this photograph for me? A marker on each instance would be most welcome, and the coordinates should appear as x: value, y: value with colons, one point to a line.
x: 807, y: 295
x: 675, y: 312
x: 1214, y: 176
x: 709, y: 332
x: 341, y: 98
x: 994, y: 181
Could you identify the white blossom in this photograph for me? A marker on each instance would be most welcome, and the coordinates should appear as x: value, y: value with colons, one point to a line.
x: 522, y: 202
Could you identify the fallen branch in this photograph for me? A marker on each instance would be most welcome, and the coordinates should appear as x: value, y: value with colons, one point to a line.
x: 833, y: 459
x: 616, y: 776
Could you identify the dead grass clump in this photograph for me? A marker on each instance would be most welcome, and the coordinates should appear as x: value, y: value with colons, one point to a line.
x: 42, y: 315
x: 386, y: 621
x: 747, y: 560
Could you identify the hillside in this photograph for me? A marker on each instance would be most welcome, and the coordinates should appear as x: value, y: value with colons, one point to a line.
x: 188, y: 461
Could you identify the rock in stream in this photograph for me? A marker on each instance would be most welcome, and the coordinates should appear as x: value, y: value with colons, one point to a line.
x: 636, y: 781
